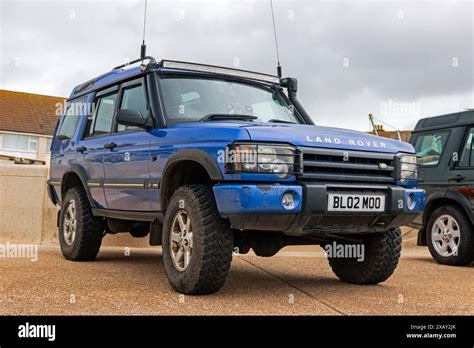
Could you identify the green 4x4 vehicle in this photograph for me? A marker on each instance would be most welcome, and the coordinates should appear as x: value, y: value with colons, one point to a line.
x: 444, y: 146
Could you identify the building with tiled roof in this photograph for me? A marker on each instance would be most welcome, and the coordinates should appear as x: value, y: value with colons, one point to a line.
x: 27, y: 123
x: 403, y: 135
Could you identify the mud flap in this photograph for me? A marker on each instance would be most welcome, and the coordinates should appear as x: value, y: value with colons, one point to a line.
x: 156, y: 231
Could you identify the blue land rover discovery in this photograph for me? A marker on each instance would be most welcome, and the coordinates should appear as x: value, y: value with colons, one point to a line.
x: 211, y: 161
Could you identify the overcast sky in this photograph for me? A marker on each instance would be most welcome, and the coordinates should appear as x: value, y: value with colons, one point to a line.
x: 400, y: 60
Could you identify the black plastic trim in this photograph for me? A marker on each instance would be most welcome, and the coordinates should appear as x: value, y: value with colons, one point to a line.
x: 194, y: 155
x: 128, y: 215
x: 82, y: 174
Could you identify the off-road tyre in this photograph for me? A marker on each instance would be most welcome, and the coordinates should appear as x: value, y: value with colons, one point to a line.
x: 381, y: 255
x: 89, y: 229
x: 212, y: 242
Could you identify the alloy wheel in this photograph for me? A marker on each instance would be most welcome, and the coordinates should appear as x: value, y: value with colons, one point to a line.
x: 446, y: 235
x: 181, y: 240
x: 70, y: 223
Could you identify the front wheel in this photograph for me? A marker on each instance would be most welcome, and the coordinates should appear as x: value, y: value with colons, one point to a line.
x: 197, y: 242
x: 374, y: 263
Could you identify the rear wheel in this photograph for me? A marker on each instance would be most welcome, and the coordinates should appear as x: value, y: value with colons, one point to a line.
x: 80, y: 233
x: 197, y: 242
x: 450, y: 236
x: 380, y: 255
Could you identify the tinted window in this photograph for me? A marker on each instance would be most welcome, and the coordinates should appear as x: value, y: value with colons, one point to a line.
x: 133, y: 98
x: 467, y: 155
x: 104, y: 114
x: 72, y: 116
x: 429, y: 148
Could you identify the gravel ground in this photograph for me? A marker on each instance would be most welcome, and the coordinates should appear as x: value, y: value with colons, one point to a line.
x: 295, y: 281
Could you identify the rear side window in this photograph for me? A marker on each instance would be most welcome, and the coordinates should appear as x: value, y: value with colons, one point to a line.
x: 429, y: 148
x: 103, y: 115
x: 71, y: 118
x: 467, y: 155
x: 133, y: 98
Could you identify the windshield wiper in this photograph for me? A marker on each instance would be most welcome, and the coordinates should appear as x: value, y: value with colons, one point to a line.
x: 224, y: 117
x: 276, y: 120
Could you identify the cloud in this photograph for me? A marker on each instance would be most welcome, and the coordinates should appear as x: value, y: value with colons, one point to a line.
x: 351, y: 57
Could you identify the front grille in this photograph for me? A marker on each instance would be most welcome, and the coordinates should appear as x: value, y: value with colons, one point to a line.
x: 342, y: 165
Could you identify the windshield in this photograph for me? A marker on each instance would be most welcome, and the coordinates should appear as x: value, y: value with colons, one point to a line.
x: 192, y: 99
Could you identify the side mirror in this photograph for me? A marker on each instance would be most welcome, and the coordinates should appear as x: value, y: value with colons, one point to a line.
x: 133, y: 118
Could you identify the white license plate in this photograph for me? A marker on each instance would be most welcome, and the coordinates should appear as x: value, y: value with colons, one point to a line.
x: 354, y: 202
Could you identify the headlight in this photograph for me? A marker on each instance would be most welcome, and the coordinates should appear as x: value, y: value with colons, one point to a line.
x: 281, y: 160
x: 408, y: 168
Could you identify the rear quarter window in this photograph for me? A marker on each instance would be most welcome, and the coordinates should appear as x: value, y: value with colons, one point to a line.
x: 467, y: 155
x: 72, y: 115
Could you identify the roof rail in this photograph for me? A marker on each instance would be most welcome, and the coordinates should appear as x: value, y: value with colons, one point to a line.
x: 150, y: 58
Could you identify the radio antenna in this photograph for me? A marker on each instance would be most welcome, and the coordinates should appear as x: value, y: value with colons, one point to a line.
x: 276, y: 41
x: 143, y: 47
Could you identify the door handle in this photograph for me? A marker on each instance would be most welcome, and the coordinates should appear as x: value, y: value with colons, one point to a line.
x: 458, y: 177
x: 110, y: 146
x: 81, y: 149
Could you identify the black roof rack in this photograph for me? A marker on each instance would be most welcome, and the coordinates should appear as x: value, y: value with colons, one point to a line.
x: 206, y: 68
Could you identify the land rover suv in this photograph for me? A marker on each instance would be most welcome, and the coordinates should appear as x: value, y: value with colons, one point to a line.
x: 211, y: 161
x: 444, y: 148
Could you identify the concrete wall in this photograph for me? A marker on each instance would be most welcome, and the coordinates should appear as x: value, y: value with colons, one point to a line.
x: 28, y: 216
x: 22, y: 196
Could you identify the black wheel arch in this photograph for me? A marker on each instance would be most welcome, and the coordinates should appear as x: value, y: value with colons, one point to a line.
x: 76, y: 174
x: 199, y: 157
x: 439, y: 199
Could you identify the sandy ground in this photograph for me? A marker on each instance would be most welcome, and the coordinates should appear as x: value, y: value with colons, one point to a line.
x: 295, y: 281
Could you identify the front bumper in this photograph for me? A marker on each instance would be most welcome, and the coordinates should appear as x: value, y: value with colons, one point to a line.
x: 260, y: 207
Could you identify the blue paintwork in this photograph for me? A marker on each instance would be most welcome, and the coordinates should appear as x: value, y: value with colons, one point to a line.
x: 128, y: 160
x: 173, y: 139
x: 255, y: 198
x: 419, y: 200
x: 109, y: 78
x: 325, y: 137
x: 237, y: 193
x: 407, y: 183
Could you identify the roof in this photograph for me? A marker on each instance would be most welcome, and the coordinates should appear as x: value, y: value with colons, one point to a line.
x: 28, y: 113
x: 462, y: 118
x: 125, y: 71
x: 104, y: 80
